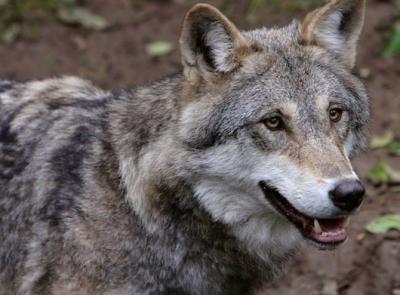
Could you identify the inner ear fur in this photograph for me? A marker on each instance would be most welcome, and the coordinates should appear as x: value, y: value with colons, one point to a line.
x: 209, y: 42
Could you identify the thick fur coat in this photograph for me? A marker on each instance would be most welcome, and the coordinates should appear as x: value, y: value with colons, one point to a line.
x: 156, y: 189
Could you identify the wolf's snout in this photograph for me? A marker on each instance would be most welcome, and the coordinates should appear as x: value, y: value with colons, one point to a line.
x: 348, y: 194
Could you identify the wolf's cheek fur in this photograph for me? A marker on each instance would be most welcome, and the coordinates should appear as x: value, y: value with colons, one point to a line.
x: 241, y: 204
x: 252, y: 221
x: 233, y: 196
x: 308, y: 193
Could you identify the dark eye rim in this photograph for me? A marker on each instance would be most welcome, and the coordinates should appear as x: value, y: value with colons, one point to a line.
x: 279, y: 126
x: 339, y: 114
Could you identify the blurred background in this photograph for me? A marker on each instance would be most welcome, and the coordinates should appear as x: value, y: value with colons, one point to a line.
x: 122, y: 43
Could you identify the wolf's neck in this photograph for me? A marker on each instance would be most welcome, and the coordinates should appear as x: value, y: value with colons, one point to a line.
x: 143, y: 127
x: 152, y: 166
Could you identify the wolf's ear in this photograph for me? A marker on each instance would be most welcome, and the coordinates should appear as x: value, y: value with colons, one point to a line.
x: 336, y: 27
x: 210, y: 42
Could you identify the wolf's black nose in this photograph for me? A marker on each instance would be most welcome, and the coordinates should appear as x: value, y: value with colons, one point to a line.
x: 348, y: 194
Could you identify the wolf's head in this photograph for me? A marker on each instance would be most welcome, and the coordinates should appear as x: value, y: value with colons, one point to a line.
x: 272, y: 117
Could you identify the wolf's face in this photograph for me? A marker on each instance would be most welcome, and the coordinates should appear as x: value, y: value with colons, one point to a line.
x: 275, y: 117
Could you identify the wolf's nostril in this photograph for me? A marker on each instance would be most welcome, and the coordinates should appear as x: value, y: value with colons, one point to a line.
x: 348, y: 195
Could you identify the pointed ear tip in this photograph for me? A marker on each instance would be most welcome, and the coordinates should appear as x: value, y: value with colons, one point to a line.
x: 202, y: 8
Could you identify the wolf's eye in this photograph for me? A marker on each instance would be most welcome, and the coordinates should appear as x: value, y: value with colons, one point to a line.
x: 335, y: 114
x: 274, y: 123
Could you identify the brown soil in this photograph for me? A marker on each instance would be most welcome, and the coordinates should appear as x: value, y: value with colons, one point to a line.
x: 367, y: 264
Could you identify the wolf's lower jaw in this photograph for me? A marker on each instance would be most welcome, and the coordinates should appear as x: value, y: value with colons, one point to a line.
x: 325, y: 234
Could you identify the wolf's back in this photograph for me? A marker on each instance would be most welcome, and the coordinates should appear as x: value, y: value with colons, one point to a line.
x: 47, y: 132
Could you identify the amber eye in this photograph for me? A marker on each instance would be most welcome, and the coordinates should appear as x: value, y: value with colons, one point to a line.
x: 335, y: 114
x: 274, y: 123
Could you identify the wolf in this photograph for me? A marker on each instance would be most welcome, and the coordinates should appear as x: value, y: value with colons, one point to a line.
x: 205, y: 182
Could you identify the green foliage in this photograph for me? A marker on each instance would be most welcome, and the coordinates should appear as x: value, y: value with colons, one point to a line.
x: 255, y: 5
x: 383, y: 141
x: 9, y: 35
x: 16, y: 10
x: 382, y: 173
x: 303, y: 5
x: 82, y: 17
x: 386, y: 141
x: 393, y: 46
x: 383, y: 224
x: 160, y: 48
x: 13, y: 12
x: 379, y: 174
x: 283, y: 7
x: 394, y: 148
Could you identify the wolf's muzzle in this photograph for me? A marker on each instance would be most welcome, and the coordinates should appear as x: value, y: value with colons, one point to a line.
x: 348, y: 195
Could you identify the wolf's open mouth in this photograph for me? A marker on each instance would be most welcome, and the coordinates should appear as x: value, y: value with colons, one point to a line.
x: 325, y: 232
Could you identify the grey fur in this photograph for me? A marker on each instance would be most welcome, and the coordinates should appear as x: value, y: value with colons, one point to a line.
x: 130, y: 192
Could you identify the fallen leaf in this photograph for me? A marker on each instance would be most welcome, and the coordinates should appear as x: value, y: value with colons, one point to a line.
x: 394, y: 148
x: 360, y: 237
x: 394, y: 175
x: 79, y: 42
x: 382, y: 173
x: 82, y: 17
x: 383, y: 224
x: 378, y: 142
x: 330, y: 287
x: 379, y: 174
x: 365, y: 73
x: 160, y: 48
x: 9, y: 35
x: 393, y: 45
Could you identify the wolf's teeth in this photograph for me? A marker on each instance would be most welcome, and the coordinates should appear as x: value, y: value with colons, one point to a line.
x: 347, y: 222
x: 317, y: 227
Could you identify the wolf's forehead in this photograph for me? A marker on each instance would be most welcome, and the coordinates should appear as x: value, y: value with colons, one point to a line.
x: 285, y: 60
x: 295, y: 87
x: 266, y: 37
x: 284, y: 69
x: 302, y: 98
x: 275, y: 79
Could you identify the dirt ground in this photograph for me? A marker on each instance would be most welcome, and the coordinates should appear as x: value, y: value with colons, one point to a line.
x: 367, y: 264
